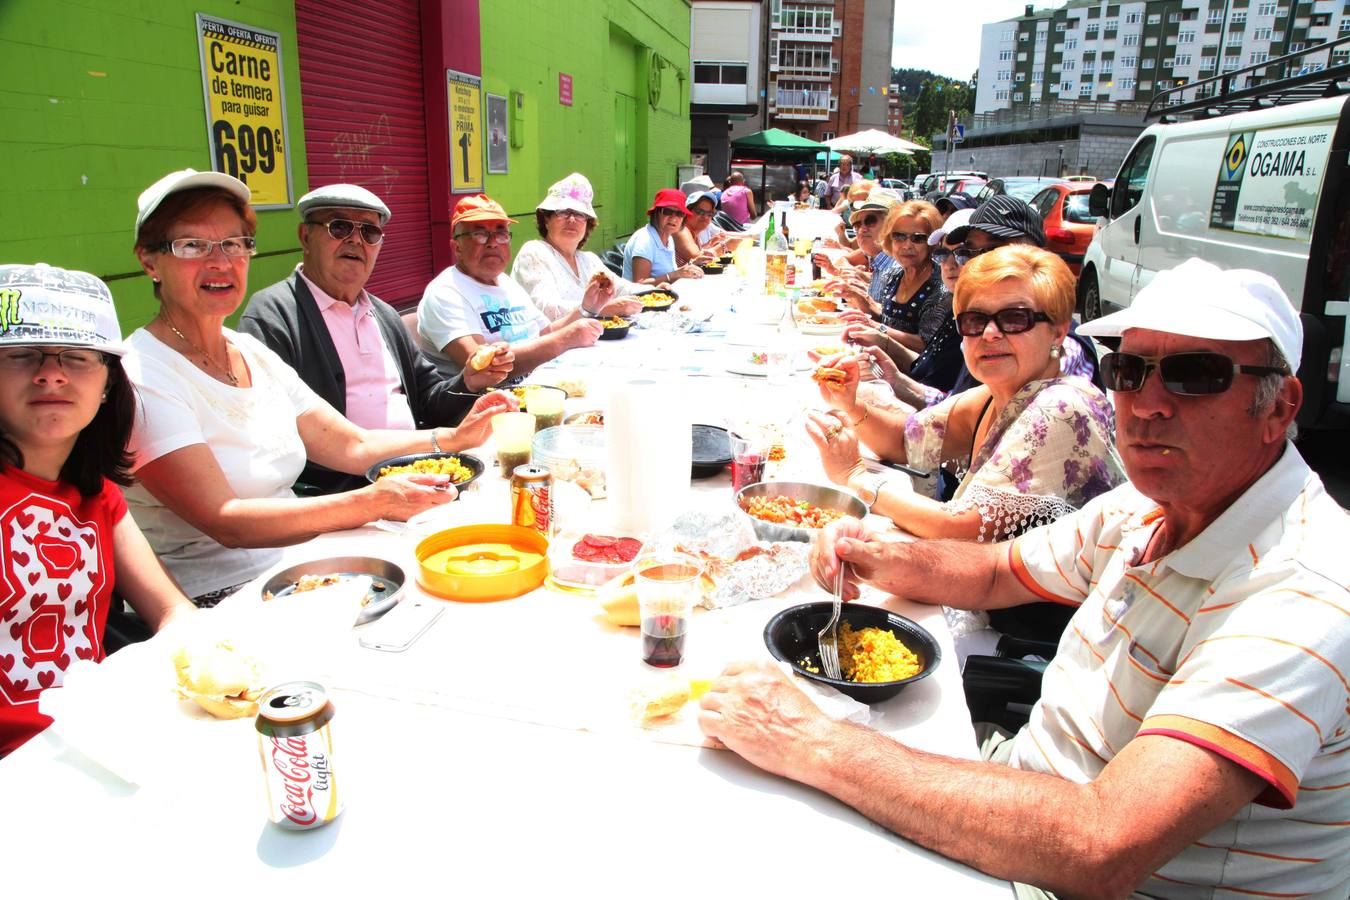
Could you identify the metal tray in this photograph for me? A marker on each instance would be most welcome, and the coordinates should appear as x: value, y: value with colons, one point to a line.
x: 382, y: 570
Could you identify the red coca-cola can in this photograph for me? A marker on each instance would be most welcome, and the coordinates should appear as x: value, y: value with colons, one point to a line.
x: 295, y: 741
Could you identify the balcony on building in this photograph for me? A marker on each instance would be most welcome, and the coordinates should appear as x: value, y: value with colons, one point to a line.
x: 804, y: 20
x: 802, y: 103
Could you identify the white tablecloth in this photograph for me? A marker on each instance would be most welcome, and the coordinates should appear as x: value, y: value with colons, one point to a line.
x: 495, y: 756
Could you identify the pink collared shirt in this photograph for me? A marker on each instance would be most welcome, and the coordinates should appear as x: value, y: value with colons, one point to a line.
x: 375, y: 397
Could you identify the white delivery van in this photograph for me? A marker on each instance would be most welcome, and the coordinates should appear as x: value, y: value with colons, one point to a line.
x: 1265, y: 189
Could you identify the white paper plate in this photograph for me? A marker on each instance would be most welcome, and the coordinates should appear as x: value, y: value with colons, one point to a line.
x: 741, y: 365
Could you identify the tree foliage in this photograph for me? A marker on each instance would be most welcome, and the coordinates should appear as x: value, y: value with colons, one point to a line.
x: 929, y: 97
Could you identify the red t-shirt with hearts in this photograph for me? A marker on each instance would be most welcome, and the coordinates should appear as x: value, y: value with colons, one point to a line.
x: 56, y: 579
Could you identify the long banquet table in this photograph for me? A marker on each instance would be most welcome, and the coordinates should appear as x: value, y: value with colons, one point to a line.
x: 496, y: 756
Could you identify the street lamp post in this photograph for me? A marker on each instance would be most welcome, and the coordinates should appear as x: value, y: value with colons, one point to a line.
x: 1059, y: 173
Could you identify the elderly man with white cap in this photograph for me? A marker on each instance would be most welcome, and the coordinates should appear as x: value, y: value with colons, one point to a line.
x: 348, y: 345
x: 1192, y: 737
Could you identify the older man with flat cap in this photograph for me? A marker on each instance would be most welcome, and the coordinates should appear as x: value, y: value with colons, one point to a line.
x: 346, y: 344
x: 1192, y: 738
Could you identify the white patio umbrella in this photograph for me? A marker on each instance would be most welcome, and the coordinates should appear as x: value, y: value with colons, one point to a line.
x: 872, y: 141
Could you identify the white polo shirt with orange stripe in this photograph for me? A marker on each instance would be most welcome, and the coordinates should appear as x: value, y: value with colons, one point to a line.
x: 1238, y: 642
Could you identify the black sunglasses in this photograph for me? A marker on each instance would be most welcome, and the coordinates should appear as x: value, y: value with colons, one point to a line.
x: 1013, y: 320
x: 916, y: 237
x: 341, y: 229
x: 965, y: 253
x: 1194, y: 374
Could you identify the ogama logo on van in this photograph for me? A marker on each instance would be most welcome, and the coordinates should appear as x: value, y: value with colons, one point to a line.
x: 1235, y: 157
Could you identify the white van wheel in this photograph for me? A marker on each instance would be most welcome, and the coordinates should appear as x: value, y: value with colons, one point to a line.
x: 1089, y: 296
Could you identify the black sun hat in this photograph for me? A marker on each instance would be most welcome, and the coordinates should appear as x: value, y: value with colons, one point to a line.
x: 1004, y: 217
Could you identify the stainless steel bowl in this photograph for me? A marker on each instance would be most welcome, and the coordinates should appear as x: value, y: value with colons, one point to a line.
x: 379, y: 600
x: 821, y: 495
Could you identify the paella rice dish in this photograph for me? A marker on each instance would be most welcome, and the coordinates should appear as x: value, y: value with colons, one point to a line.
x: 785, y: 510
x: 446, y: 465
x: 874, y: 655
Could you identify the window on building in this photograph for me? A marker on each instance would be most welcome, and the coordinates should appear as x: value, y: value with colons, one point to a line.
x: 1215, y: 17
x: 1112, y: 24
x: 1106, y: 66
x: 1129, y: 62
x: 1000, y: 95
x: 807, y: 19
x: 1297, y: 47
x: 1257, y: 57
x: 1237, y: 17
x: 1147, y: 63
x: 827, y: 135
x: 1345, y: 24
x: 1091, y: 29
x: 1186, y: 37
x: 1265, y: 9
x: 1261, y: 34
x: 1018, y: 97
x: 1021, y: 76
x: 1154, y: 18
x: 1206, y: 63
x: 1174, y: 17
x: 810, y: 57
x: 1125, y: 84
x: 1183, y: 59
x: 1085, y: 90
x: 1340, y: 57
x: 1009, y: 33
x: 1021, y: 57
x: 1004, y: 55
x: 1089, y: 68
x: 1066, y: 87
x: 1320, y: 19
x: 720, y: 73
x: 1130, y: 40
x: 1071, y: 44
x: 1040, y: 37
x: 1145, y: 85
x: 1060, y: 26
x: 1004, y: 74
x: 1070, y: 65
x: 1133, y: 18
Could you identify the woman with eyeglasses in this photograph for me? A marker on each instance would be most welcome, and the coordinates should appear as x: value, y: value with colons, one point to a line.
x: 225, y: 427
x: 557, y: 273
x: 65, y: 414
x: 1029, y: 443
x: 649, y: 255
x: 700, y: 241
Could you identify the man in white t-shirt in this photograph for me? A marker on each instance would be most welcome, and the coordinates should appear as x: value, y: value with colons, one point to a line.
x: 1192, y: 738
x: 474, y: 302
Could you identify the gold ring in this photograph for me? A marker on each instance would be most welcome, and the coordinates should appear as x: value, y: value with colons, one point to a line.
x: 831, y: 434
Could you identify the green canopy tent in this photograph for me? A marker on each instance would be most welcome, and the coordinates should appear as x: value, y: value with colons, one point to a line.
x: 777, y: 145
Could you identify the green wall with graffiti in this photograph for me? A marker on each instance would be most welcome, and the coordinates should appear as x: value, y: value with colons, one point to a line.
x: 622, y: 133
x: 99, y: 98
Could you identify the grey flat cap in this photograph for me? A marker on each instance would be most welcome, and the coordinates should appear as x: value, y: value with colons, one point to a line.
x: 344, y: 196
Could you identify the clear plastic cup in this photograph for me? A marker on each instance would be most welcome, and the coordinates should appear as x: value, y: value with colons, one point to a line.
x: 512, y: 433
x: 667, y: 588
x: 545, y: 404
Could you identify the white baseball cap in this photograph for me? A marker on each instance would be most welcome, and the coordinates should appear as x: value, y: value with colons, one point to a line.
x: 184, y: 180
x: 41, y: 304
x: 958, y: 219
x: 1198, y: 299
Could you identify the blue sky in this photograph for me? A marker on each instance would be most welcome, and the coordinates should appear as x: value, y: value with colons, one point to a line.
x: 945, y: 38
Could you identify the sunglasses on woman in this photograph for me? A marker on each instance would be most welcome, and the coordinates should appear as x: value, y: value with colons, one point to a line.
x: 914, y: 237
x: 1013, y: 320
x: 341, y: 229
x: 965, y: 253
x: 1195, y: 374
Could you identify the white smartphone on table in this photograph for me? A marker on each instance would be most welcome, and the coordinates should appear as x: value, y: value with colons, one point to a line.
x: 399, y: 629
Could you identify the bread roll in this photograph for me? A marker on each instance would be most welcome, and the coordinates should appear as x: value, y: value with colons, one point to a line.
x: 482, y: 357
x: 219, y: 678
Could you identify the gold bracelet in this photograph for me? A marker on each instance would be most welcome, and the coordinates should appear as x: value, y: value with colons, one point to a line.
x: 867, y: 411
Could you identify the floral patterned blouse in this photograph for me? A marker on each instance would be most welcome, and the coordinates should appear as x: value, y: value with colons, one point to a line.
x: 1052, y: 449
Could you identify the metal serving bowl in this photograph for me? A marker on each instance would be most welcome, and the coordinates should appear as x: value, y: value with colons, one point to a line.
x: 821, y: 495
x: 791, y: 636
x: 385, y: 593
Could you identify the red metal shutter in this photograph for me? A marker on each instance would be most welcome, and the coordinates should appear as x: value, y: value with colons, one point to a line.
x: 361, y: 89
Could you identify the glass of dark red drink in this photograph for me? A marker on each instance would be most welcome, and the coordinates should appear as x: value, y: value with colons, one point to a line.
x: 749, y: 454
x: 667, y: 587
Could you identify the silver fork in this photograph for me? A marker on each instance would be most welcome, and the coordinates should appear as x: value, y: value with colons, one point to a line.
x: 827, y: 640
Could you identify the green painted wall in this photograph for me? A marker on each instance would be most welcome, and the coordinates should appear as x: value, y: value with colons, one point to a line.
x: 99, y: 98
x: 606, y: 46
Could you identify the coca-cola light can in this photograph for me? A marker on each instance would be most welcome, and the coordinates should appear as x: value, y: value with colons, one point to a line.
x: 295, y: 740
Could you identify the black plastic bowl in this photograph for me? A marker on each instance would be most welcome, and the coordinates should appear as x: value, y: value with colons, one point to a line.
x: 791, y: 637
x: 657, y: 308
x: 616, y: 333
x: 471, y: 462
x: 710, y: 269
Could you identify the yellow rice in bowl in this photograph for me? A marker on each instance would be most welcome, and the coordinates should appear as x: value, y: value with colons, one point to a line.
x: 874, y: 655
x: 449, y: 465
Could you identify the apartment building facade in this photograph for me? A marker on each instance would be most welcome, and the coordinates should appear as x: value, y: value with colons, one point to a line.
x: 1124, y: 53
x: 827, y: 67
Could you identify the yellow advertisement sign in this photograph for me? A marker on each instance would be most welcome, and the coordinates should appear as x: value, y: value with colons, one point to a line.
x: 465, y: 97
x: 246, y: 107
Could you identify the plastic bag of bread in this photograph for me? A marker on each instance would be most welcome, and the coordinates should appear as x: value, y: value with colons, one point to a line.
x: 219, y: 678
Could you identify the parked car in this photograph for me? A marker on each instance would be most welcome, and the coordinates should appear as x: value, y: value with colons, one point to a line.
x: 1264, y: 189
x: 1080, y: 178
x: 1069, y: 226
x: 1023, y: 188
x: 942, y: 181
x: 898, y: 185
x: 957, y: 184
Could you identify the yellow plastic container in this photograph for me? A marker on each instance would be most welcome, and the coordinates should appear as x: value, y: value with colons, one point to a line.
x: 478, y: 563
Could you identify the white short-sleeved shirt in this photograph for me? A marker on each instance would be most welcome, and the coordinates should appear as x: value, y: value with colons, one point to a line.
x: 252, y: 433
x: 551, y: 283
x: 1238, y: 642
x: 455, y: 306
x: 646, y: 242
